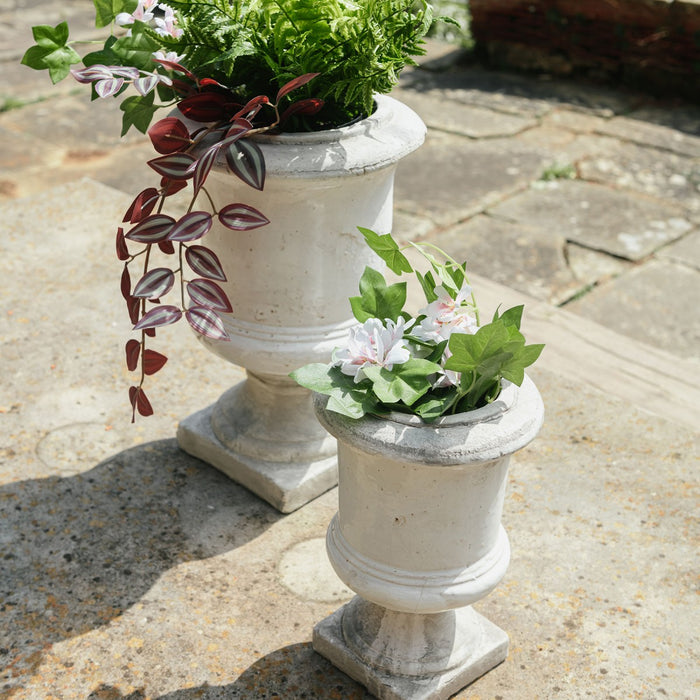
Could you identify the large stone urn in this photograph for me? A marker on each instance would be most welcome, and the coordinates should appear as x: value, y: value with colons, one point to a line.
x: 418, y: 537
x: 289, y: 284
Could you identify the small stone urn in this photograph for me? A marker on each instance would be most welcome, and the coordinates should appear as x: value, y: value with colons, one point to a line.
x: 289, y: 284
x: 418, y: 537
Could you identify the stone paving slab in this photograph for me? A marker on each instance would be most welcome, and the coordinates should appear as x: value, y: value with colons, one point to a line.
x: 131, y: 570
x: 617, y: 222
x: 655, y: 304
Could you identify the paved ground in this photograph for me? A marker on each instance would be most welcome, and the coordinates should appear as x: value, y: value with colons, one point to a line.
x: 130, y: 570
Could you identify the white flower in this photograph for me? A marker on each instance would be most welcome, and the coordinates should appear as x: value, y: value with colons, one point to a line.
x: 165, y: 26
x: 447, y: 377
x: 373, y: 343
x: 446, y: 315
x: 141, y: 13
x: 171, y: 56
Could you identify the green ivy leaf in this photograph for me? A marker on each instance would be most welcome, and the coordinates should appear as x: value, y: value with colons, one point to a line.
x: 104, y: 56
x: 388, y: 250
x: 377, y: 300
x: 107, y: 10
x: 51, y: 51
x: 432, y: 407
x: 138, y: 112
x: 137, y: 50
x: 511, y: 316
x: 428, y: 283
x: 406, y: 382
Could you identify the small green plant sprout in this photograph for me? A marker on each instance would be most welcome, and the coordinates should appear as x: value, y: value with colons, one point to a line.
x: 441, y: 361
x: 559, y: 171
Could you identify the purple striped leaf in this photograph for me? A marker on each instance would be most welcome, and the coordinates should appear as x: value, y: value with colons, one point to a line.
x: 133, y: 350
x: 205, y: 263
x: 155, y: 283
x: 144, y: 203
x: 108, y: 86
x: 160, y: 316
x: 175, y: 166
x: 125, y: 71
x: 91, y: 73
x: 191, y: 227
x: 203, y: 167
x: 242, y: 217
x: 246, y: 160
x: 145, y: 84
x: 207, y: 293
x: 206, y: 322
x: 152, y: 229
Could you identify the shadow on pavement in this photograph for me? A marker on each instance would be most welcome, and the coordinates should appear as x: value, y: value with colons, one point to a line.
x: 77, y: 552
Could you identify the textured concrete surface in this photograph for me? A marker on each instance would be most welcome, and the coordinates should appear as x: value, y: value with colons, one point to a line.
x: 130, y: 570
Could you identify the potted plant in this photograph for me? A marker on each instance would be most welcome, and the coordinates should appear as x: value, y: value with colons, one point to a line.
x: 427, y: 410
x: 279, y: 129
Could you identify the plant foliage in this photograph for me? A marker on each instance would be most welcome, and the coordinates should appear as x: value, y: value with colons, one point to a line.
x: 440, y: 362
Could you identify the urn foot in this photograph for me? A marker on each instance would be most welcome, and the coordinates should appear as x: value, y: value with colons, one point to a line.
x: 408, y: 656
x: 263, y: 434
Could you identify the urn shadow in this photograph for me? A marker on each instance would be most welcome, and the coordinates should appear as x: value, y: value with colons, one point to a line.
x: 76, y: 552
x: 295, y: 672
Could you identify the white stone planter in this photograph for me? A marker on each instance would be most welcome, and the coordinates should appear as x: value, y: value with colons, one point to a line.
x: 418, y: 537
x: 289, y: 284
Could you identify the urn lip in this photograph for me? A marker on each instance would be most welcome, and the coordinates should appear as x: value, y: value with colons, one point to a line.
x: 483, y: 435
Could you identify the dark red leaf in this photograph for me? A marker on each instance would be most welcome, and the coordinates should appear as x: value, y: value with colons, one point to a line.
x: 174, y: 166
x: 150, y: 332
x: 166, y: 247
x: 242, y: 217
x: 152, y: 229
x: 133, y: 350
x: 126, y: 283
x: 252, y: 107
x: 204, y: 262
x: 172, y: 65
x: 307, y: 107
x: 142, y: 206
x: 134, y: 306
x: 204, y: 292
x: 139, y: 402
x: 122, y: 250
x: 206, y: 322
x: 204, y: 107
x: 171, y: 186
x: 294, y: 84
x: 169, y: 135
x: 191, y: 226
x: 155, y: 283
x: 153, y: 361
x: 209, y: 82
x: 159, y: 316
